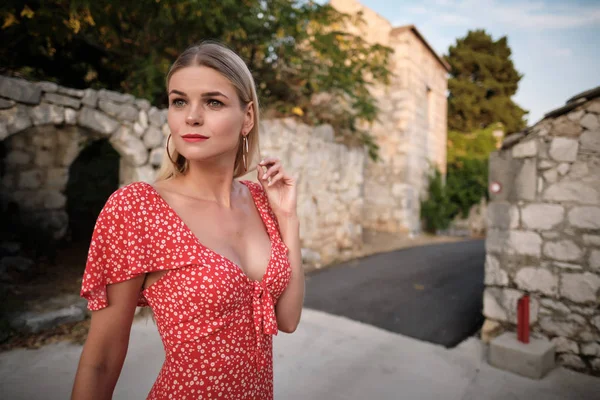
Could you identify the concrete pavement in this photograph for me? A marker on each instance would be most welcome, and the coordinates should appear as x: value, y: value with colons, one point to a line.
x: 328, y: 357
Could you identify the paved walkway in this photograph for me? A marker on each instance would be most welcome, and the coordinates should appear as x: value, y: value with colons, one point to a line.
x: 328, y: 357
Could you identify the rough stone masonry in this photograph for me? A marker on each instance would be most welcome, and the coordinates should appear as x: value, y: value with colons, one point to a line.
x: 45, y: 127
x: 544, y: 232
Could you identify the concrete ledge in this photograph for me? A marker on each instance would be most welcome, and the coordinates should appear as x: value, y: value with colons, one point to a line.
x: 533, y: 360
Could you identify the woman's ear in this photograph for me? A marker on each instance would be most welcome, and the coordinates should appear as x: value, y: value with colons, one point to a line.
x: 249, y: 118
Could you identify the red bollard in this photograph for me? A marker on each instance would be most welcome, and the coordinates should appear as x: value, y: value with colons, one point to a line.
x: 523, y: 319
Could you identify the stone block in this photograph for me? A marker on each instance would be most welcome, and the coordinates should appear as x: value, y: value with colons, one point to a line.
x: 17, y: 157
x: 153, y: 137
x: 593, y: 106
x: 494, y: 274
x: 563, y: 168
x: 30, y: 179
x: 70, y: 116
x: 47, y: 114
x: 156, y: 117
x: 564, y: 149
x: 90, y: 98
x: 524, y: 243
x: 142, y: 104
x: 562, y: 250
x: 156, y: 156
x: 490, y: 330
x: 20, y: 90
x: 143, y: 119
x: 542, y: 216
x: 526, y: 180
x: 580, y: 288
x: 502, y: 215
x: 533, y: 279
x: 50, y: 87
x: 591, y: 240
x: 590, y: 349
x: 572, y: 191
x: 97, y: 121
x: 590, y: 122
x: 525, y: 149
x: 62, y: 100
x: 585, y: 217
x: 562, y: 126
x: 5, y: 104
x: 533, y: 360
x: 116, y: 96
x: 14, y: 120
x: 594, y: 260
x: 71, y: 92
x: 564, y: 345
x: 131, y: 148
x: 590, y: 142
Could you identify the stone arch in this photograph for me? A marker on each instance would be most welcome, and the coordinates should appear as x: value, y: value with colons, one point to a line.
x: 134, y: 128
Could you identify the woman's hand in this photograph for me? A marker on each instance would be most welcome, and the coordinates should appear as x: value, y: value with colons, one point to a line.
x: 279, y: 186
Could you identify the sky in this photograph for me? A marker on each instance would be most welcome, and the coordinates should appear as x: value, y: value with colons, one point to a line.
x: 555, y: 44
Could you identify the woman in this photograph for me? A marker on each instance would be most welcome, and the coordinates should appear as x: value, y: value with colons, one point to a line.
x: 218, y: 260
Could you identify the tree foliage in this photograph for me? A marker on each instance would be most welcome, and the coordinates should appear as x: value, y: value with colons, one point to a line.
x: 295, y: 49
x: 483, y: 80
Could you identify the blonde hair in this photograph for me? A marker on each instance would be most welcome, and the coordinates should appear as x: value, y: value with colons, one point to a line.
x: 225, y: 61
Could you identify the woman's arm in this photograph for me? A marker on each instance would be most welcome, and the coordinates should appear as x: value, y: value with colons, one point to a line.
x: 106, y: 344
x: 289, y: 305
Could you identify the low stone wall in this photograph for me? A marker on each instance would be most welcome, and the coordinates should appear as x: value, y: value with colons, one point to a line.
x: 45, y: 127
x: 544, y: 233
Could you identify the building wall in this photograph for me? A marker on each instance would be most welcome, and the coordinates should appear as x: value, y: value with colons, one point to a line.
x: 411, y: 128
x: 544, y: 235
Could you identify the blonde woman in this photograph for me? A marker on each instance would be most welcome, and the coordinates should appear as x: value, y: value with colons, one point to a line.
x: 217, y: 259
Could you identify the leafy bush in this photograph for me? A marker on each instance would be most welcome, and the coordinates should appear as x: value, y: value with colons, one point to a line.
x: 466, y: 179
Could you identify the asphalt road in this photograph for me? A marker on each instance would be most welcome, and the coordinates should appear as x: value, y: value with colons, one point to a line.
x: 432, y: 293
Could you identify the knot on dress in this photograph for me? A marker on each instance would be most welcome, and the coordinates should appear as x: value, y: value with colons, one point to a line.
x: 265, y: 322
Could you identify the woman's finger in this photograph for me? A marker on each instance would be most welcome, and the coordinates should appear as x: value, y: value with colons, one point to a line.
x: 272, y: 170
x: 276, y: 178
x: 268, y: 160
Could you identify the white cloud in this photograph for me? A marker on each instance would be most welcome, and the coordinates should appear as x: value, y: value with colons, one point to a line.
x: 526, y: 15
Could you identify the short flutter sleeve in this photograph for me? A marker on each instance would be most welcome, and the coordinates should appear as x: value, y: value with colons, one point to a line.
x: 110, y: 249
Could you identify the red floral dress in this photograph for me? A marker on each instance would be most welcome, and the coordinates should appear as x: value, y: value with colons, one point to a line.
x: 216, y: 324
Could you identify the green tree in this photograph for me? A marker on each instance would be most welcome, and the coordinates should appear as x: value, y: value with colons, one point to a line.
x: 483, y: 80
x: 296, y: 49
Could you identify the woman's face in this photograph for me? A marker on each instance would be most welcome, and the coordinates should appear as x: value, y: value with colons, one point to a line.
x: 205, y: 115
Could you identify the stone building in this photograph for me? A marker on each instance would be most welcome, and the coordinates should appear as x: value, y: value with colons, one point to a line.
x: 544, y: 232
x: 44, y: 128
x: 412, y: 125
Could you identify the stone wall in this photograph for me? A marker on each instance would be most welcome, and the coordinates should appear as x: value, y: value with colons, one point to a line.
x: 44, y: 128
x: 411, y: 127
x: 544, y: 232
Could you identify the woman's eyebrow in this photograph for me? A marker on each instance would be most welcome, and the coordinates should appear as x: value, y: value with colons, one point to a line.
x: 177, y: 92
x: 213, y: 94
x: 206, y: 94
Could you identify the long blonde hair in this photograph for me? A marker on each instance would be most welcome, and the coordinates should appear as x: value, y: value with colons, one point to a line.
x: 225, y: 61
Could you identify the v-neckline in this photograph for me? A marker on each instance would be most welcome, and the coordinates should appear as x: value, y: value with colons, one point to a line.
x: 211, y: 251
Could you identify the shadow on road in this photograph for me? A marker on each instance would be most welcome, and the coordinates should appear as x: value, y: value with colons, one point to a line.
x: 432, y: 293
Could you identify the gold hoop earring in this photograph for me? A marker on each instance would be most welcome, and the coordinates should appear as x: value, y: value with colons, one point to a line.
x: 168, y: 152
x: 245, y: 152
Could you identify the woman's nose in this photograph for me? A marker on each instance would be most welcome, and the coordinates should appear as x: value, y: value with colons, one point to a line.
x: 194, y: 117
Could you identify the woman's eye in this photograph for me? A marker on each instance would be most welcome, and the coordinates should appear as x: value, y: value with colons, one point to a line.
x: 214, y: 103
x: 178, y: 103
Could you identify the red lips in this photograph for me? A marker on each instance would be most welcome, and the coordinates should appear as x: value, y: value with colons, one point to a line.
x: 194, y: 137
